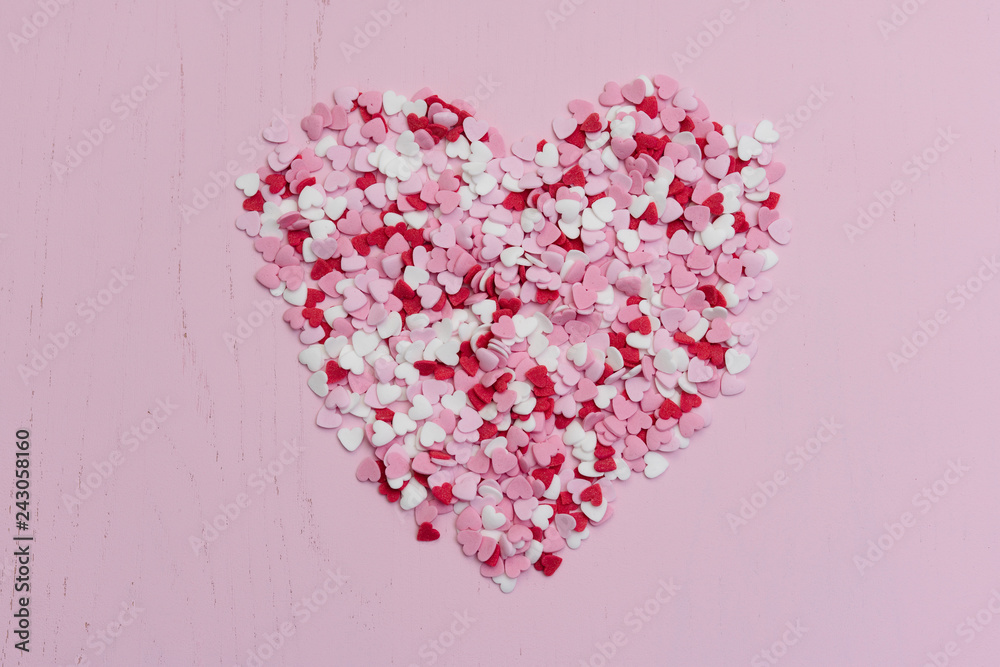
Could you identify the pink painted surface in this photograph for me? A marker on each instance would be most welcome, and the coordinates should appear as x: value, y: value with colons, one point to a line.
x: 162, y: 338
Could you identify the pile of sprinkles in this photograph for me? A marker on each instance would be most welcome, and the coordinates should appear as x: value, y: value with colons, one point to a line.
x: 508, y: 330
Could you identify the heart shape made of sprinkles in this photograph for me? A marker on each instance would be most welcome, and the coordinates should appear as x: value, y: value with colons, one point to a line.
x: 508, y: 330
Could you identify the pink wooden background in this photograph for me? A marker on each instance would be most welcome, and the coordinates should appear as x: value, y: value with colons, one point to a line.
x: 876, y: 100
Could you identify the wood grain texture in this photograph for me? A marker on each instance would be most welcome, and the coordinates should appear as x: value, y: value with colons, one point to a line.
x: 162, y: 338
